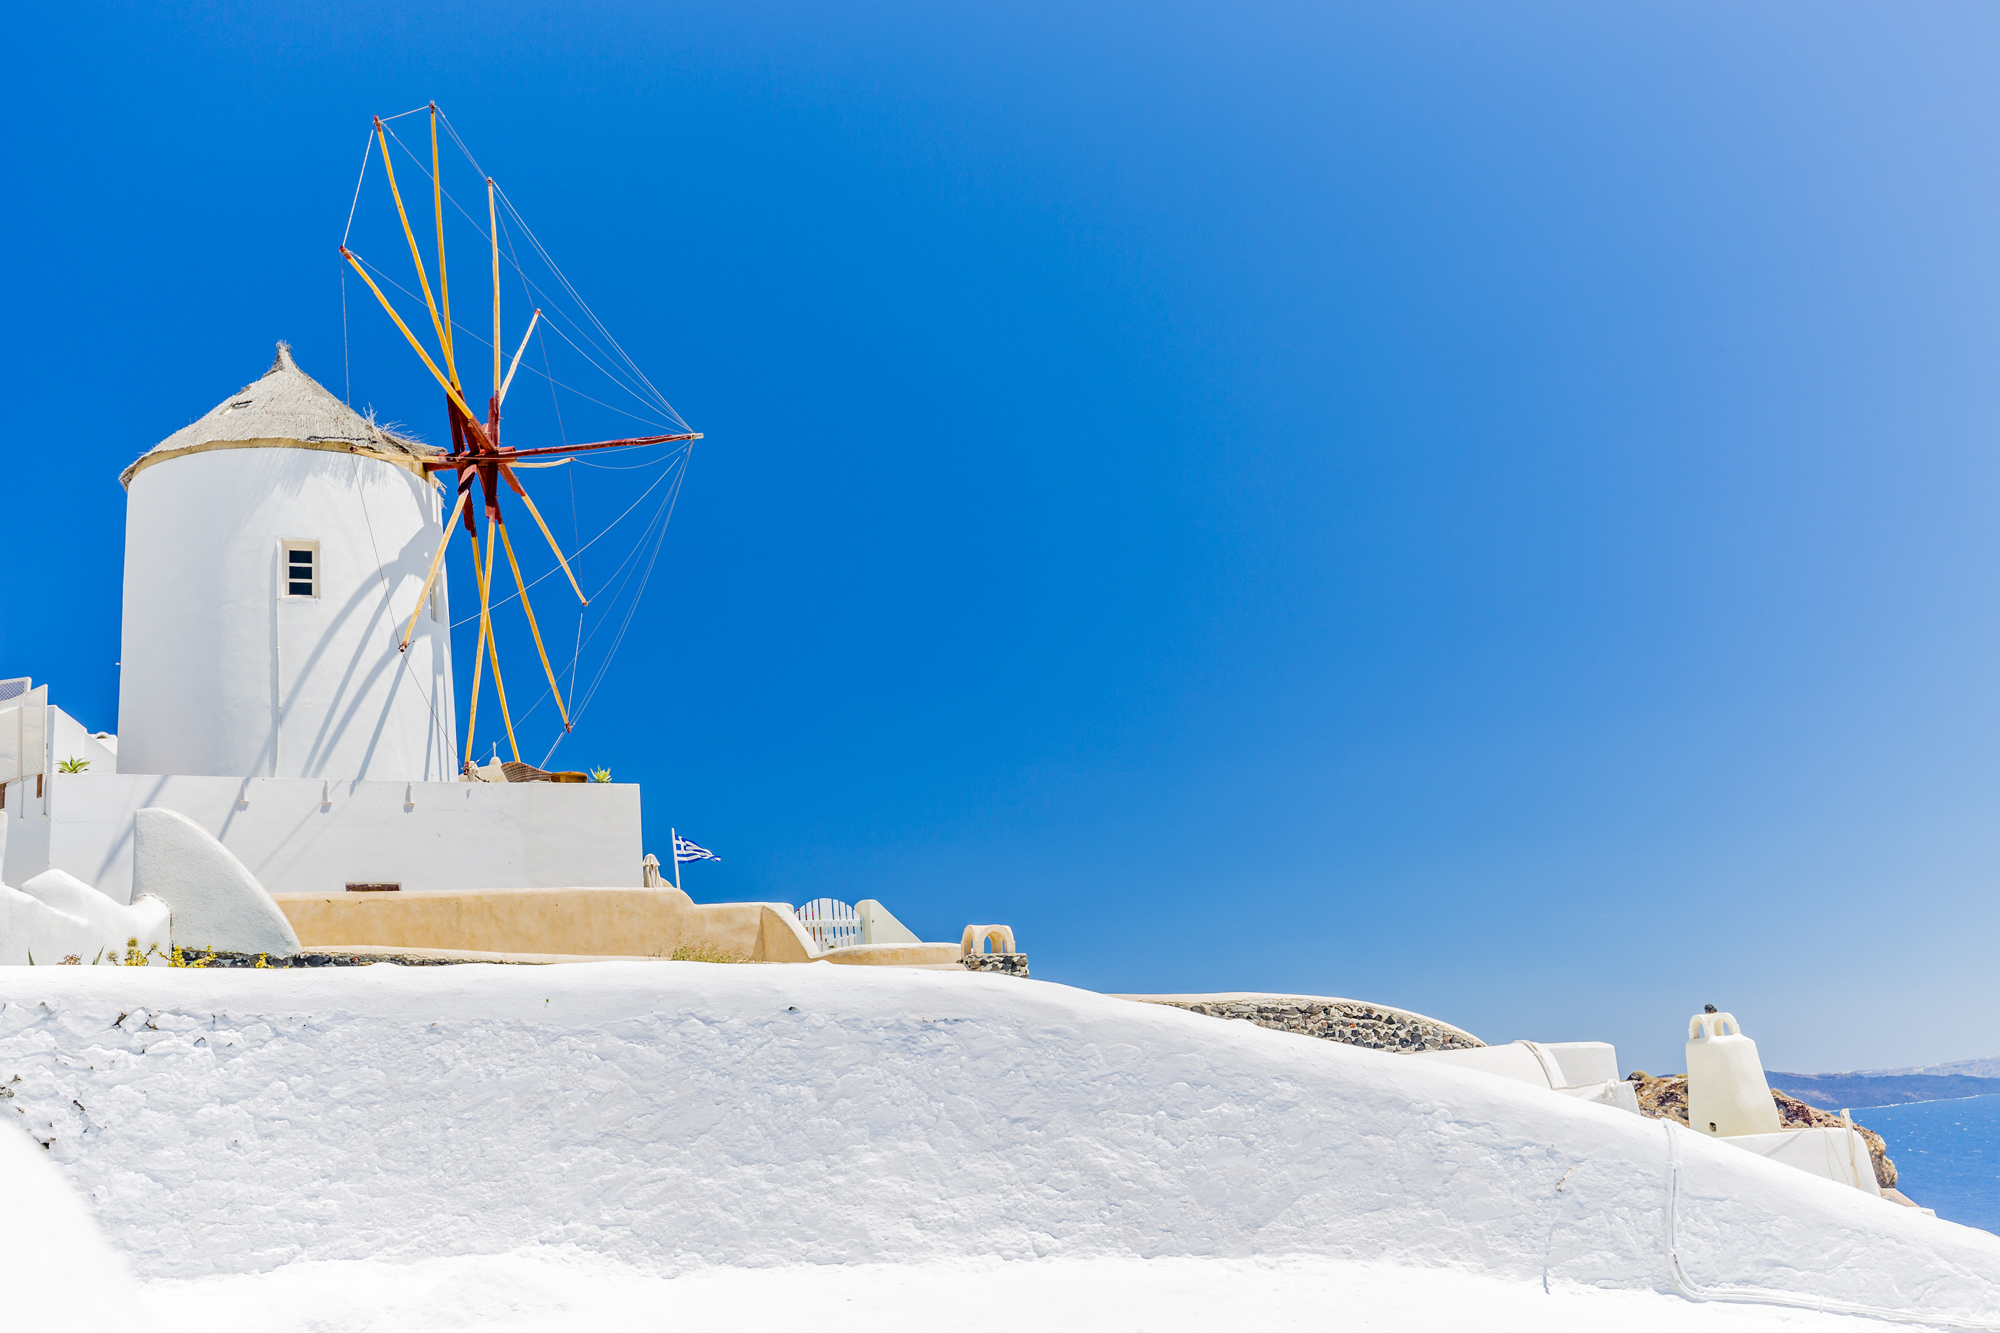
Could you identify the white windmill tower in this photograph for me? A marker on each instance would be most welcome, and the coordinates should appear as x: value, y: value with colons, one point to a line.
x: 269, y: 548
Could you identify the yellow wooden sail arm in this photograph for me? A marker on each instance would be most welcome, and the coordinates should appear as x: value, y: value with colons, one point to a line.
x: 500, y: 391
x: 522, y: 584
x: 444, y: 282
x: 478, y: 658
x: 499, y: 689
x: 423, y: 277
x: 450, y: 526
x: 451, y: 390
x: 529, y: 501
x: 487, y: 650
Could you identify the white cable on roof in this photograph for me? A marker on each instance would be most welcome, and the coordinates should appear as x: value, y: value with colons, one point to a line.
x: 1694, y: 1291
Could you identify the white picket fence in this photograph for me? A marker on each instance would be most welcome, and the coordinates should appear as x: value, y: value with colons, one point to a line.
x: 830, y: 922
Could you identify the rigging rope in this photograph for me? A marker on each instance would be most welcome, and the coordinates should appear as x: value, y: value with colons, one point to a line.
x: 550, y: 301
x: 553, y: 382
x: 548, y: 371
x: 631, y: 609
x: 621, y: 576
x: 659, y: 543
x: 577, y: 296
x: 575, y: 536
x: 619, y: 579
x: 601, y: 467
x: 453, y: 132
x: 357, y: 186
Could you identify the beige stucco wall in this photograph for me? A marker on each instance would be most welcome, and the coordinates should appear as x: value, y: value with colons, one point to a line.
x: 643, y: 922
x: 895, y: 955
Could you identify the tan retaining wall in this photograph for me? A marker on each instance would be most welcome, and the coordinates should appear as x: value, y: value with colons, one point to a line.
x: 643, y: 922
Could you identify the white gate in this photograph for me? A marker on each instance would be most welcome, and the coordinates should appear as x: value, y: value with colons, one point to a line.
x: 830, y: 922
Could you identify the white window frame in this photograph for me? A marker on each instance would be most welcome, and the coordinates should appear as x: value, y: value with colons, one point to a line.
x: 285, y: 549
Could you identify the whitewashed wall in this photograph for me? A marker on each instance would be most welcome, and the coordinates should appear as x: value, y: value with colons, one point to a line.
x: 313, y: 836
x: 223, y: 677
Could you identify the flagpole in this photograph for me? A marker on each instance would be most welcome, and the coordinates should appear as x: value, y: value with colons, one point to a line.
x: 674, y: 835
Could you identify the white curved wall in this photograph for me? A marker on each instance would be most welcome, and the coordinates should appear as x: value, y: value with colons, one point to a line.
x: 224, y: 677
x: 674, y: 1116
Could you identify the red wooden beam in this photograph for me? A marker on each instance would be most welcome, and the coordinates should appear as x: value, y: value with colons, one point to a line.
x: 482, y: 452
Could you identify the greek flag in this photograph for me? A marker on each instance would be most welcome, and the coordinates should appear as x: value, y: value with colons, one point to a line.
x: 687, y: 851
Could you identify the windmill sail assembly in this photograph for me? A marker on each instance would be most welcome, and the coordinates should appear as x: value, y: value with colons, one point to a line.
x: 287, y: 680
x: 476, y: 454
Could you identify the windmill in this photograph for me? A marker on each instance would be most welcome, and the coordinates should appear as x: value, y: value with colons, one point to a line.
x: 476, y: 454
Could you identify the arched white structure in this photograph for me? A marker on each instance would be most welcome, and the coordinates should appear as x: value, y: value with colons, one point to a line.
x: 274, y: 550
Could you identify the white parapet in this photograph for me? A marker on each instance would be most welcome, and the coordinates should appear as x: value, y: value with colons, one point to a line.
x: 1835, y: 1152
x: 880, y: 926
x: 216, y: 902
x: 36, y: 931
x: 318, y: 836
x: 115, y: 931
x: 1586, y: 1070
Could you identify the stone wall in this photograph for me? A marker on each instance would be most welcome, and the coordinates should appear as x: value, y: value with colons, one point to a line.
x: 332, y: 958
x: 1354, y: 1022
x: 1007, y: 964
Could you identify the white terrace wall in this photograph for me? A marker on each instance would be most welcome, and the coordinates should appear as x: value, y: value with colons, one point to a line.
x: 319, y: 835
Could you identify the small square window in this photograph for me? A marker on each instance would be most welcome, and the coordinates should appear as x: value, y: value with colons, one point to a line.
x: 299, y: 572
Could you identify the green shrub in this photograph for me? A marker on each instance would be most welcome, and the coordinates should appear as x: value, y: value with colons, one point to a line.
x: 706, y: 951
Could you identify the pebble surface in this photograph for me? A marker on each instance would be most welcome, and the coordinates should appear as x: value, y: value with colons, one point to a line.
x: 1007, y: 964
x: 1355, y: 1023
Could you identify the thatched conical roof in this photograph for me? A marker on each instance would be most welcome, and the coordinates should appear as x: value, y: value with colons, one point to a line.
x: 286, y: 409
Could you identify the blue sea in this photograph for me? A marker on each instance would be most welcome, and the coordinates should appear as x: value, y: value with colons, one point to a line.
x: 1947, y: 1154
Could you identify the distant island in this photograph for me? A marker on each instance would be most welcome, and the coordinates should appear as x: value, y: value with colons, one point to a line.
x: 1832, y: 1092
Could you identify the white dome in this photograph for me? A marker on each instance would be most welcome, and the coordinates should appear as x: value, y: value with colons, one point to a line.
x: 274, y: 551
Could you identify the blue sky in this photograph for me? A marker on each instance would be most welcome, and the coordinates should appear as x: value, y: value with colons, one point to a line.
x: 1483, y: 510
